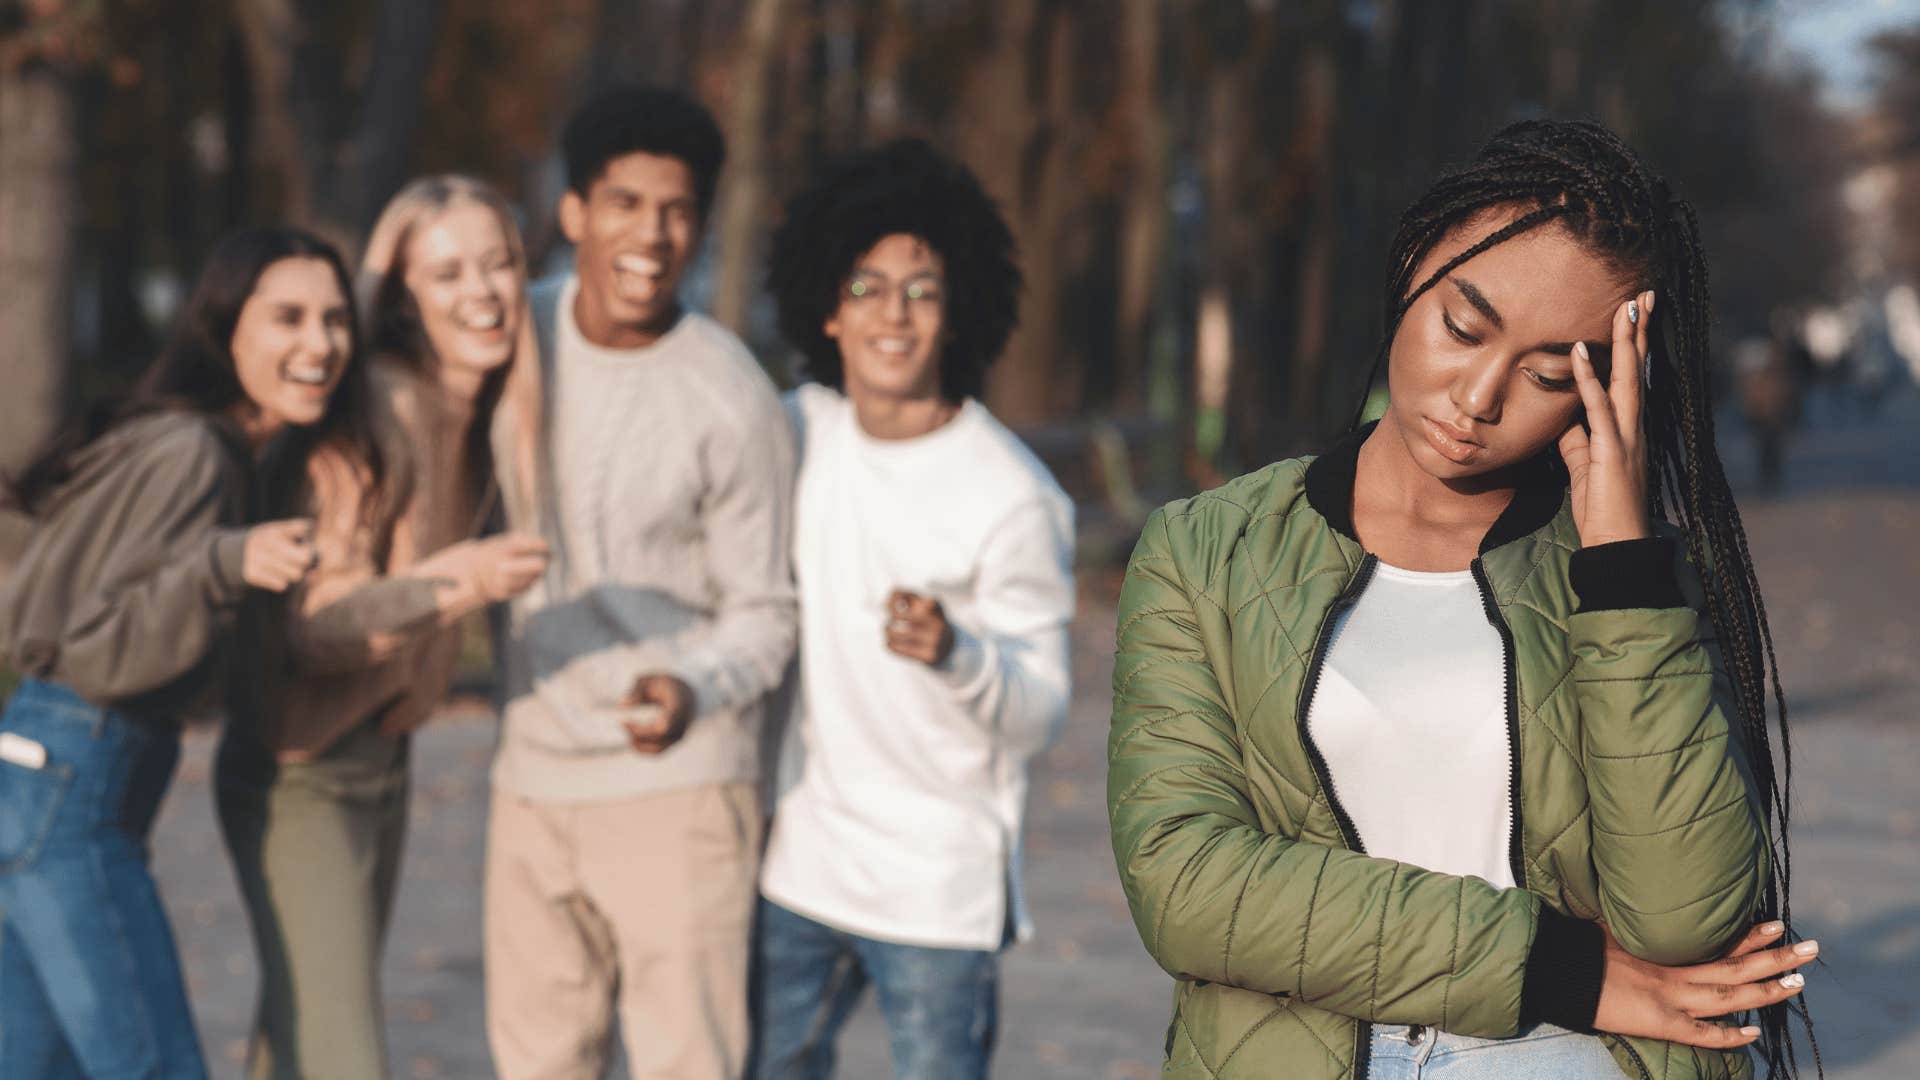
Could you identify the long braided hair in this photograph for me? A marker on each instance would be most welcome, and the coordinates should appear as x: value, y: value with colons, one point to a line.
x: 1581, y: 177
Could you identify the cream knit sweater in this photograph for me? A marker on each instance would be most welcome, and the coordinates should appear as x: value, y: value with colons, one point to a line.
x: 667, y: 503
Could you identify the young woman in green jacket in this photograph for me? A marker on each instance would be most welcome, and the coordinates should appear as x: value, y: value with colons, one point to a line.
x: 1438, y: 752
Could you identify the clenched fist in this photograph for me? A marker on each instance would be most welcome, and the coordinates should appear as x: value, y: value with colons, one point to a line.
x: 917, y: 628
x: 278, y: 554
x: 668, y: 704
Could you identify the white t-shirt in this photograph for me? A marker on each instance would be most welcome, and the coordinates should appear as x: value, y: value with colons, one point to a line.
x: 1411, y: 717
x: 904, y: 787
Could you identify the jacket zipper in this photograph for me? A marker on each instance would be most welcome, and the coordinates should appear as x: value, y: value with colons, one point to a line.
x: 1516, y: 857
x: 1645, y: 1073
x: 1350, y: 835
x: 1363, y: 1030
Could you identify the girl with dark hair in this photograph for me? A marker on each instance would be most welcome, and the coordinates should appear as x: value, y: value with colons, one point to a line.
x: 1444, y: 750
x: 312, y: 784
x: 117, y: 614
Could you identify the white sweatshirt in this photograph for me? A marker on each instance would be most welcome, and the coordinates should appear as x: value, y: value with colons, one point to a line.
x: 905, y: 785
x: 1411, y: 717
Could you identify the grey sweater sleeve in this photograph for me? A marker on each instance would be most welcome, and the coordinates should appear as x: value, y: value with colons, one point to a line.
x: 169, y: 576
x: 747, y: 521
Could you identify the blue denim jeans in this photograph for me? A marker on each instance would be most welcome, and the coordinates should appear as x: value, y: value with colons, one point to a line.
x: 938, y: 1003
x: 90, y: 981
x: 1401, y: 1053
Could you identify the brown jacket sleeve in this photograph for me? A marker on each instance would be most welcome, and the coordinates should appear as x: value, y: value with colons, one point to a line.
x: 169, y: 577
x: 347, y: 616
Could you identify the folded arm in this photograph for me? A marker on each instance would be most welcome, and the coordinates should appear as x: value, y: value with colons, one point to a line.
x: 1217, y: 898
x: 1679, y: 828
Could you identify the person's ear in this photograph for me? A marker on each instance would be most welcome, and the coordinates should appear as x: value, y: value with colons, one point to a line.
x: 573, y: 216
x: 831, y: 328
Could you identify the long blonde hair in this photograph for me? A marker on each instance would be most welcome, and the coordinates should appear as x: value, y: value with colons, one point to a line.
x: 509, y: 426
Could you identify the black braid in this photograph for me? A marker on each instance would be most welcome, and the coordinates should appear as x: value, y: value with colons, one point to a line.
x: 1581, y: 177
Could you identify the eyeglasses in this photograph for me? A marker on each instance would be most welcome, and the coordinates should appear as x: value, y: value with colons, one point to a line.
x: 875, y: 289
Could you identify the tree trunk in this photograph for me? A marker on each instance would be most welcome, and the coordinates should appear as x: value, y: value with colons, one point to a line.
x: 332, y: 187
x: 1314, y: 311
x: 622, y: 47
x: 883, y: 104
x: 1227, y: 133
x: 375, y: 162
x: 839, y: 42
x: 1045, y: 378
x: 1144, y: 217
x: 272, y: 31
x: 737, y: 219
x: 1014, y: 118
x: 37, y: 220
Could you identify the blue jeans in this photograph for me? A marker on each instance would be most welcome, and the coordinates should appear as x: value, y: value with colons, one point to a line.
x: 938, y: 1003
x: 90, y: 981
x: 1400, y: 1053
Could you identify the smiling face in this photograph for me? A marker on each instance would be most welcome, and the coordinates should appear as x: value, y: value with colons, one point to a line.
x: 634, y: 233
x: 292, y: 343
x: 891, y: 320
x: 1480, y: 369
x: 467, y: 284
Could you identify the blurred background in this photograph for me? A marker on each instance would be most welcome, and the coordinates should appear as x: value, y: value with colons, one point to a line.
x: 1203, y: 191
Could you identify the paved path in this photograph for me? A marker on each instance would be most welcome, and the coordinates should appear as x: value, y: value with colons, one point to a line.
x: 1839, y: 555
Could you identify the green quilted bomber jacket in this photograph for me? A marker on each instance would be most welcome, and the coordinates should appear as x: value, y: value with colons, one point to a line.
x: 1632, y: 800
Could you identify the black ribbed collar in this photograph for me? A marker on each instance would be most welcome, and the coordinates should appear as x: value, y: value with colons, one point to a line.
x: 1329, y: 486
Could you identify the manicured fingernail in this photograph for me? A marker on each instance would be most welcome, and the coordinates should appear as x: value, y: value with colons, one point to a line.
x: 1649, y: 301
x: 1633, y: 312
x: 1806, y: 948
x: 1580, y: 350
x: 1773, y: 928
x: 1794, y: 981
x: 1750, y: 1032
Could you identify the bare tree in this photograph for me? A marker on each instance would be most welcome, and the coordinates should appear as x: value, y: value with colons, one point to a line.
x: 1017, y: 136
x: 738, y: 218
x: 334, y: 186
x: 1143, y: 222
x: 1313, y: 312
x: 273, y: 32
x: 38, y: 216
x: 373, y: 165
x: 1224, y: 152
x: 1894, y: 138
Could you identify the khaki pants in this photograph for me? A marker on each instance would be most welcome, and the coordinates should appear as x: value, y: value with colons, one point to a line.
x: 643, y: 905
x: 316, y: 847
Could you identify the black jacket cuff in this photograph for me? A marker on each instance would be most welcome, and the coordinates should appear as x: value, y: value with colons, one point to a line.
x: 1564, y: 968
x: 1626, y: 574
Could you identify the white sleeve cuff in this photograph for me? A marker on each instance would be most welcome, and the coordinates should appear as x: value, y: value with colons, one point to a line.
x: 968, y: 667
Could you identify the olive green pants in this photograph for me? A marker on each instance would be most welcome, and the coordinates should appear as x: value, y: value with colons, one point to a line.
x: 316, y: 847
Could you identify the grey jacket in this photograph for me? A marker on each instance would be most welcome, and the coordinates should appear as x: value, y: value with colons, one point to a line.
x: 132, y: 577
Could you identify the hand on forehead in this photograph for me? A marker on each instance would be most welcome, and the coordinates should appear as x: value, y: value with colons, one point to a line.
x: 1540, y: 288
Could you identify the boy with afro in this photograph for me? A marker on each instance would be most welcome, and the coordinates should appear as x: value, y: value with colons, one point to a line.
x: 933, y: 556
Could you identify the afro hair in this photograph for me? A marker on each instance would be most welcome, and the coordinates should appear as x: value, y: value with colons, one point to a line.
x: 902, y: 186
x: 643, y: 120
